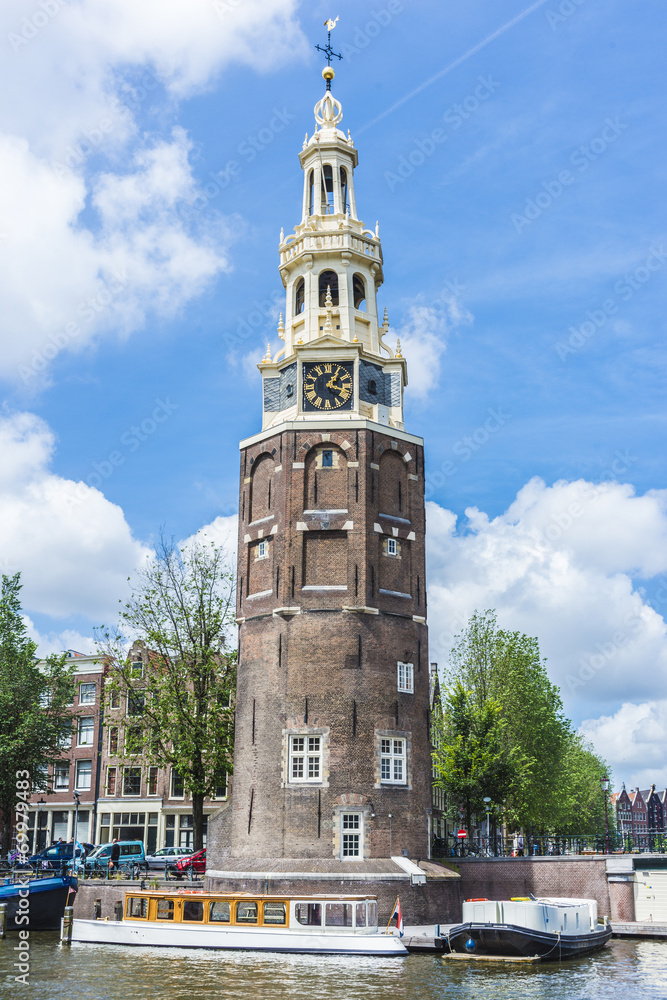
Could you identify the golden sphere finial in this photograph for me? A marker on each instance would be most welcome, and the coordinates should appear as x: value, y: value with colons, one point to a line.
x: 328, y: 73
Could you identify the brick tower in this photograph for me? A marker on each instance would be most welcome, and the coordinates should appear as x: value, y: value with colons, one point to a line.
x: 332, y: 754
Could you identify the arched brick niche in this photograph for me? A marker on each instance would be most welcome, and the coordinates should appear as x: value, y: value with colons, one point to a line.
x: 262, y: 488
x: 325, y: 480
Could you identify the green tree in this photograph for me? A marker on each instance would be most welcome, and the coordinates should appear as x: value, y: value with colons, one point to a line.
x: 34, y: 711
x: 507, y: 667
x: 178, y: 703
x: 581, y: 807
x: 473, y: 755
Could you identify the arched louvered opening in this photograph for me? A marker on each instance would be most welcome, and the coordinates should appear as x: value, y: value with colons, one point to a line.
x: 328, y: 279
x: 299, y: 296
x: 359, y: 292
x: 327, y: 190
x: 344, y: 191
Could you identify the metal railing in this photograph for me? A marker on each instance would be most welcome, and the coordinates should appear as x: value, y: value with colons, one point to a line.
x: 550, y: 845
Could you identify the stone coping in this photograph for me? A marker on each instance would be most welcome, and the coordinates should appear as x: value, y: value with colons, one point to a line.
x: 325, y: 869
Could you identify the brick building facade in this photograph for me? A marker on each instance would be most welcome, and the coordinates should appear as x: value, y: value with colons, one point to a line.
x: 332, y: 751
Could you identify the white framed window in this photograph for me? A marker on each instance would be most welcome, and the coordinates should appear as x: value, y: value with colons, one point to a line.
x: 151, y: 783
x: 177, y: 785
x: 87, y: 694
x: 406, y: 677
x: 393, y: 764
x: 305, y: 758
x: 262, y: 550
x: 350, y: 838
x: 61, y: 777
x: 131, y: 781
x: 111, y: 781
x: 84, y: 771
x: 86, y: 731
x: 392, y: 547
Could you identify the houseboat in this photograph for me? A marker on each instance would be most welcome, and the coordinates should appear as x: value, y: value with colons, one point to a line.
x: 192, y: 918
x: 35, y: 903
x: 549, y: 928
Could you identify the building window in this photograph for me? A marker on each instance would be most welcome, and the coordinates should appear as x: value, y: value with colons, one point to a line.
x: 350, y: 841
x: 86, y: 731
x: 84, y: 770
x: 177, y: 786
x: 392, y: 547
x: 328, y: 279
x: 113, y: 740
x: 344, y: 202
x: 151, y: 785
x: 262, y: 551
x: 311, y: 193
x: 305, y: 763
x: 406, y: 677
x: 111, y: 781
x: 393, y: 768
x: 220, y: 787
x: 372, y: 387
x: 327, y: 190
x: 61, y: 777
x: 86, y: 694
x: 137, y: 667
x: 114, y: 698
x: 65, y: 738
x: 327, y: 459
x: 133, y: 740
x: 359, y: 292
x: 131, y: 781
x: 135, y: 702
x: 300, y: 296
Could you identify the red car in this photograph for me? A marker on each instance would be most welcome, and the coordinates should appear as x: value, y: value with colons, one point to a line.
x: 191, y: 863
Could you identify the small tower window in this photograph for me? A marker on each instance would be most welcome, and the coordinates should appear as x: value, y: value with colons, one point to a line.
x: 289, y: 391
x: 311, y: 193
x: 372, y: 387
x: 359, y: 292
x: 299, y: 297
x: 327, y: 459
x: 345, y: 207
x: 328, y: 279
x: 327, y: 190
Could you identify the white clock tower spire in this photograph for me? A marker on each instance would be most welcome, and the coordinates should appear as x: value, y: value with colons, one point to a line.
x: 334, y: 362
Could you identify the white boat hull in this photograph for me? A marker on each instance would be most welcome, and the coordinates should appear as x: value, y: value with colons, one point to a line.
x: 157, y: 935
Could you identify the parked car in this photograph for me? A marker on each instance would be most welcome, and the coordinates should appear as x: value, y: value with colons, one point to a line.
x: 57, y: 854
x: 191, y: 862
x: 166, y: 855
x: 131, y: 852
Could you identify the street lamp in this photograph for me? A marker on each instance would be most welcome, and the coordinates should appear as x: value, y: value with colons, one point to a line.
x: 604, y: 784
x: 76, y: 823
x: 486, y: 800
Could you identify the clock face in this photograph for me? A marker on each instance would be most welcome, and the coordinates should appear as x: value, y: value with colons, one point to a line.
x: 328, y: 385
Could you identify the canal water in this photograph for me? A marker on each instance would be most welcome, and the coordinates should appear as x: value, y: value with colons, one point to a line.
x: 625, y: 970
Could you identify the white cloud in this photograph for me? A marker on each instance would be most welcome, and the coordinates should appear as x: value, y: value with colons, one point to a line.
x: 563, y: 563
x: 634, y: 739
x: 73, y: 548
x: 69, y: 274
x: 221, y: 532
x: 423, y: 340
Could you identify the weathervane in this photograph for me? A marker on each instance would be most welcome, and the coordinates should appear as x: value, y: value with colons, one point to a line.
x: 328, y: 72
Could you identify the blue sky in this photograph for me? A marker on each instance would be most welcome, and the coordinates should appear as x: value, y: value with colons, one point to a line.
x: 514, y: 157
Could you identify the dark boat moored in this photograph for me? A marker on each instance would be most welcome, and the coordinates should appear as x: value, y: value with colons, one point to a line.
x: 36, y: 904
x: 549, y: 928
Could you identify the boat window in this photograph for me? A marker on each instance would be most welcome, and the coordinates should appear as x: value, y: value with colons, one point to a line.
x: 360, y: 916
x: 165, y: 909
x: 372, y: 913
x: 193, y: 909
x: 220, y: 912
x: 309, y: 914
x: 275, y: 913
x: 246, y: 913
x: 338, y: 915
x: 137, y: 906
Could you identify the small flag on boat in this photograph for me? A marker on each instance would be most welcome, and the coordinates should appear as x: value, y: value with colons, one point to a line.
x: 399, y: 917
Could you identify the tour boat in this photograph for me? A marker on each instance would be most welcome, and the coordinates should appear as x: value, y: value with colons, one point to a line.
x: 36, y: 904
x: 549, y: 928
x: 194, y: 918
